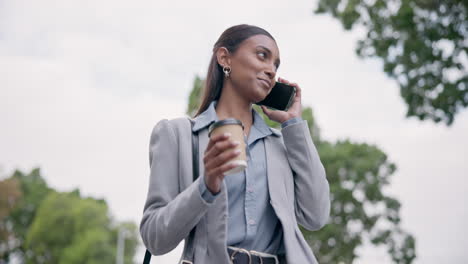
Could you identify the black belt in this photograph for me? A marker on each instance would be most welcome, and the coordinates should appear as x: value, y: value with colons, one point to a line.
x: 244, y: 256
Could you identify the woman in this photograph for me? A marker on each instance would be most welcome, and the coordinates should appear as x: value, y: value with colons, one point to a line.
x: 251, y: 216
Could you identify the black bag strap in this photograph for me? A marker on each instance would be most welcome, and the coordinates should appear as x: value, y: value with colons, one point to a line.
x: 195, y: 172
x: 147, y: 257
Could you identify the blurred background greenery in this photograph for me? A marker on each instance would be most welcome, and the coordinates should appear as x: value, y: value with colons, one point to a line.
x: 41, y: 225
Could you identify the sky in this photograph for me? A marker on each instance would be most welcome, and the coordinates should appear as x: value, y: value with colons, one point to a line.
x: 82, y: 83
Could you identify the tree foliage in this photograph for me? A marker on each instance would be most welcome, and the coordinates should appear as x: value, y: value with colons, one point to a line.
x: 33, y: 190
x: 358, y: 173
x: 423, y: 46
x: 52, y: 227
x: 195, y: 96
x: 360, y: 210
x: 10, y: 194
x: 70, y: 229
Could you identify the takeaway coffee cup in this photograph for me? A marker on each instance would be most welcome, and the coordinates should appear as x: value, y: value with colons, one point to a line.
x: 236, y: 129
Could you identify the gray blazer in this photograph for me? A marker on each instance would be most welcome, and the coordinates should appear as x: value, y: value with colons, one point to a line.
x: 299, y: 193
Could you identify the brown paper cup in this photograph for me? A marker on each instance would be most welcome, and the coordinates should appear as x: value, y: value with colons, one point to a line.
x: 236, y: 129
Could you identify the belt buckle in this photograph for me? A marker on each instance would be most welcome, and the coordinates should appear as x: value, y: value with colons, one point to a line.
x: 262, y: 255
x: 186, y: 262
x: 237, y: 250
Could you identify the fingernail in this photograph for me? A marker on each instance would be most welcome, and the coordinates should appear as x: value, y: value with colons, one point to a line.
x: 236, y: 143
x: 237, y: 151
x: 227, y: 134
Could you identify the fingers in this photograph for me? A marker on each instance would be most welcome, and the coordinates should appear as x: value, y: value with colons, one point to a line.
x: 298, y: 89
x: 220, y: 150
x: 283, y: 80
x: 288, y: 82
x: 218, y: 164
x: 266, y: 110
x: 219, y: 146
x: 219, y: 171
x: 214, y: 139
x: 217, y: 157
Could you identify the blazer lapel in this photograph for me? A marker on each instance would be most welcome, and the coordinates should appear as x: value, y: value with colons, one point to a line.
x: 276, y: 171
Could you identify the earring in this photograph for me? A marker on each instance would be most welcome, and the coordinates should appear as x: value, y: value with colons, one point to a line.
x: 227, y: 70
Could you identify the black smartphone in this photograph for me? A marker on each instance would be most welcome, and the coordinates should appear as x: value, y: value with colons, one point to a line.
x: 280, y: 97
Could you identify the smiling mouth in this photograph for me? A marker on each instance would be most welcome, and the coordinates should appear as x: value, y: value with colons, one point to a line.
x: 265, y: 83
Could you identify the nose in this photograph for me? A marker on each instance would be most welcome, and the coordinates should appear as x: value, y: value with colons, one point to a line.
x: 271, y: 72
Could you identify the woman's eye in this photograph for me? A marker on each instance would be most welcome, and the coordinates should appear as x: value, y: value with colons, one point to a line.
x: 261, y: 52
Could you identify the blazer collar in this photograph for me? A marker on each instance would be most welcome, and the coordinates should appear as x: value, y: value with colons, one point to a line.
x: 209, y: 116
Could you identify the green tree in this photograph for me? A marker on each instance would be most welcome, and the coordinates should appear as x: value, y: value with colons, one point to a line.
x: 40, y: 225
x: 72, y: 229
x: 360, y: 211
x: 422, y: 44
x: 358, y: 173
x: 33, y: 189
x: 195, y: 96
x: 10, y: 194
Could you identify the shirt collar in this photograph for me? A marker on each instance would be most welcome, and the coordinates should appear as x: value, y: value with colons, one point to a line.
x: 209, y: 116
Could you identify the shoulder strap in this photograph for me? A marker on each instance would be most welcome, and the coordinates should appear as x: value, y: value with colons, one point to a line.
x: 195, y: 171
x: 147, y: 257
x: 195, y: 166
x: 195, y: 159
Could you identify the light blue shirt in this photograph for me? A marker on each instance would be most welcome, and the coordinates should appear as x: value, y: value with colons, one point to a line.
x: 252, y: 222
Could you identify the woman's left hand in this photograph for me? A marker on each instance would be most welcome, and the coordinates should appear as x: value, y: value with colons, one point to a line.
x: 294, y: 111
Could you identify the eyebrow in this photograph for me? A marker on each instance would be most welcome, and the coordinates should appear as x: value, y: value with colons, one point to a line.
x: 269, y: 51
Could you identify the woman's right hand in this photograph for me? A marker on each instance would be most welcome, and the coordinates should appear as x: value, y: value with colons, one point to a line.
x: 219, y: 151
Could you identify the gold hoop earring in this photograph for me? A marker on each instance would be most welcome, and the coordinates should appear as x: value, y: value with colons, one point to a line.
x: 227, y: 70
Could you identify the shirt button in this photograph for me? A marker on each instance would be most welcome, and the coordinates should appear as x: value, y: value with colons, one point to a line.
x: 250, y: 190
x: 251, y: 222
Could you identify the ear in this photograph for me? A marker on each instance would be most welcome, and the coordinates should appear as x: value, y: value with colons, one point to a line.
x: 223, y: 56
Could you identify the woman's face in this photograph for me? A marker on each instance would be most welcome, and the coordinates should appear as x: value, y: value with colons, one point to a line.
x: 254, y: 66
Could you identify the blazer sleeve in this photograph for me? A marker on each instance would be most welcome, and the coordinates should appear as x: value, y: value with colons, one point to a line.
x: 169, y: 215
x: 311, y: 188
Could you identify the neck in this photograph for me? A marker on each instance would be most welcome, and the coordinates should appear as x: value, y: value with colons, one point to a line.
x: 232, y: 105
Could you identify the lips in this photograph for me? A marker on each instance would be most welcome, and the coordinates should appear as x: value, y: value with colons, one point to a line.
x: 265, y: 83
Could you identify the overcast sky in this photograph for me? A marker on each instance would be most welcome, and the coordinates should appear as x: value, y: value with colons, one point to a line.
x: 82, y: 83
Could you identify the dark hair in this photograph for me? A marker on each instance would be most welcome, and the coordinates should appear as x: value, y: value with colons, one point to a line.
x: 231, y: 39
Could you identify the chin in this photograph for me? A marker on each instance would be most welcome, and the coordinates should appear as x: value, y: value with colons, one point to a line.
x: 264, y: 92
x: 259, y: 97
x: 260, y: 93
